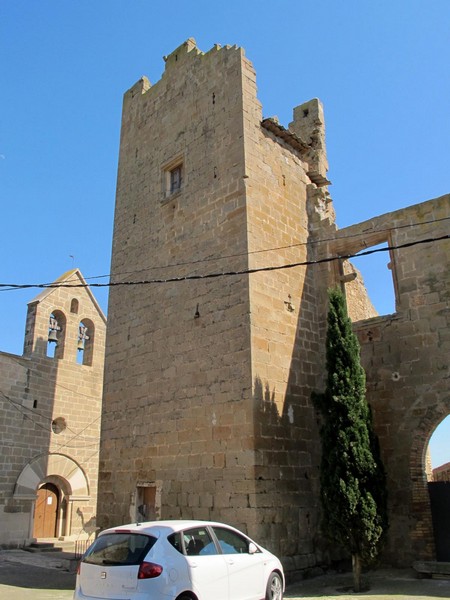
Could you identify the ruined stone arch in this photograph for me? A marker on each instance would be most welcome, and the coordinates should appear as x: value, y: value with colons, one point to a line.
x: 420, y: 502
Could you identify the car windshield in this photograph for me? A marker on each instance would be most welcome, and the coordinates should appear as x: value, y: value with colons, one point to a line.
x: 119, y: 549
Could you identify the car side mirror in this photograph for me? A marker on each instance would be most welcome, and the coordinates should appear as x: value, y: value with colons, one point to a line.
x: 252, y: 549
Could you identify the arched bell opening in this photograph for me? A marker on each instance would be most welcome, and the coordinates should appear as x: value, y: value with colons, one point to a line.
x: 56, y: 335
x: 85, y: 343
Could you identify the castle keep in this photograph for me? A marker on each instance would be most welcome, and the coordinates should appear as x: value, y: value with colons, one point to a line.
x: 214, y: 346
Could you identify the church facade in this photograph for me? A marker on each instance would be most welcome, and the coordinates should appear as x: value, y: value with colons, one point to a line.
x: 50, y: 404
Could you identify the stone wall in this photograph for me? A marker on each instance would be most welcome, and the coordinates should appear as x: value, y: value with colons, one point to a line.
x: 441, y: 473
x: 406, y: 359
x: 285, y: 342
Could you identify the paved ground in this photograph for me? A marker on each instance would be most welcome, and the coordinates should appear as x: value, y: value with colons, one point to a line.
x: 38, y: 576
x: 49, y: 576
x: 384, y: 584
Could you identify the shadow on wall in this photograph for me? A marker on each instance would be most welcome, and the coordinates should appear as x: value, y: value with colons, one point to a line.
x: 285, y: 479
x: 287, y: 436
x: 89, y: 527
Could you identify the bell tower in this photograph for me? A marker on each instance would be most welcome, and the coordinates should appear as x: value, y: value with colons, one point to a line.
x: 58, y: 324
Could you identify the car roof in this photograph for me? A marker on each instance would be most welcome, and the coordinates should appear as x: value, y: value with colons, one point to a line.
x: 152, y: 527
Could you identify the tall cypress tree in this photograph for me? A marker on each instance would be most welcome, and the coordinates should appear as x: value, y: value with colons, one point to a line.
x: 353, y: 486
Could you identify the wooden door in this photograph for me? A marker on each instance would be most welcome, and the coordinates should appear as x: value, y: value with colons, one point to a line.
x: 46, y: 512
x: 145, y: 503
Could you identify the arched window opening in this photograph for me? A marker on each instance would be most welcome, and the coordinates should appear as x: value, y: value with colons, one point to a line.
x: 438, y: 453
x: 85, y: 344
x: 74, y: 305
x: 56, y: 335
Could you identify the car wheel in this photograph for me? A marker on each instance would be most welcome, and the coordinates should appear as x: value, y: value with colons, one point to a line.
x: 274, y: 589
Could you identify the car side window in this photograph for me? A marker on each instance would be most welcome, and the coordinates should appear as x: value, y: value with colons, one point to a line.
x: 231, y: 542
x: 198, y: 542
x: 175, y: 540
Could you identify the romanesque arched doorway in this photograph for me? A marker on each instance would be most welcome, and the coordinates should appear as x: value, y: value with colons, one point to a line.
x: 46, y: 511
x: 53, y: 482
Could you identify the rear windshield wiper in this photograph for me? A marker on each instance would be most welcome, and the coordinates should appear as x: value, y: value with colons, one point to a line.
x: 103, y: 561
x: 107, y: 561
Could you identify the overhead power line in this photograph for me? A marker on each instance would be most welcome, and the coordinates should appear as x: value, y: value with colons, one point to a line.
x: 310, y: 242
x: 213, y: 275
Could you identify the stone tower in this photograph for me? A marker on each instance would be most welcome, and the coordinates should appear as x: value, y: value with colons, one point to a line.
x: 224, y: 247
x: 213, y: 349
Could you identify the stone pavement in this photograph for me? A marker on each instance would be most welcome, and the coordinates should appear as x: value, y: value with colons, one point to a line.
x: 383, y: 584
x: 50, y: 576
x: 37, y: 576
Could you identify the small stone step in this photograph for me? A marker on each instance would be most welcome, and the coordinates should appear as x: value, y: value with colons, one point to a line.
x: 42, y: 547
x: 432, y: 569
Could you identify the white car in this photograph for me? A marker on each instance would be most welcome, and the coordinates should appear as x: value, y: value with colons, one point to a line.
x: 178, y: 560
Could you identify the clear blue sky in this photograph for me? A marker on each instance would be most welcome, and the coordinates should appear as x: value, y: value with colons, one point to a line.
x: 381, y: 68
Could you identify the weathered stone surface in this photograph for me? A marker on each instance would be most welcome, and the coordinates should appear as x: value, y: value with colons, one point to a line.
x: 208, y: 381
x: 406, y: 358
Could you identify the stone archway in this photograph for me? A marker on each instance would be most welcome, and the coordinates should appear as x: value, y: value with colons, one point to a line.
x: 68, y: 483
x: 46, y: 465
x: 423, y: 533
x: 439, y: 492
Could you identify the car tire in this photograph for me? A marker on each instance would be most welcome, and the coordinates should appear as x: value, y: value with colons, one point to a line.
x: 274, y: 589
x: 184, y: 597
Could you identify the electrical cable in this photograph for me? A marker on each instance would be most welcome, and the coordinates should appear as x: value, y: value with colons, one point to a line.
x: 273, y: 249
x: 12, y: 287
x: 227, y: 273
x: 20, y: 409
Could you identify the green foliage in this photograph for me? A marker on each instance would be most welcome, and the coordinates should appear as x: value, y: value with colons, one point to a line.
x: 353, y: 487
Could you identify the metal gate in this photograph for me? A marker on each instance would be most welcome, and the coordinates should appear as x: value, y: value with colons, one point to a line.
x: 440, y: 511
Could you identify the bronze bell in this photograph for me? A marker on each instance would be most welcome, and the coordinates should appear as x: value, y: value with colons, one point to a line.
x: 52, y: 337
x: 82, y: 336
